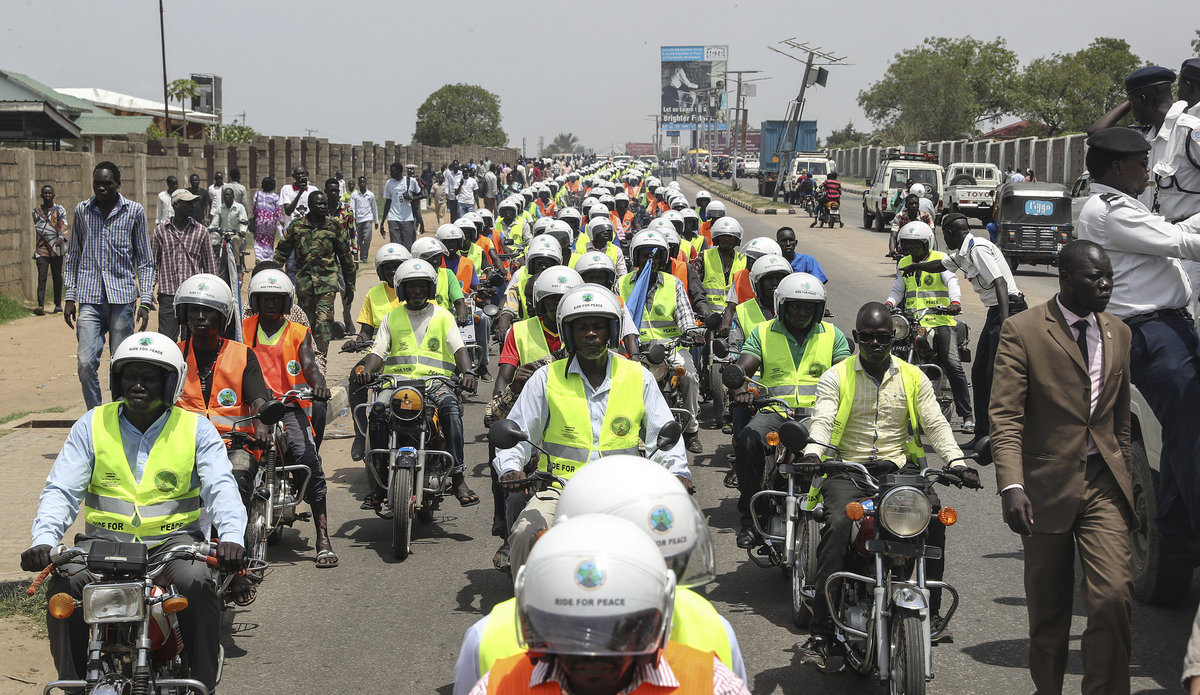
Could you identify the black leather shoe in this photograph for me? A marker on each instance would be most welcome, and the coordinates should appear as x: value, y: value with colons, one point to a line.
x: 747, y: 537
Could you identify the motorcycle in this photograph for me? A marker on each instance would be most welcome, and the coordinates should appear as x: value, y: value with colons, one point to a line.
x: 914, y: 344
x: 666, y: 366
x: 505, y: 434
x: 134, y: 644
x: 830, y: 212
x: 714, y: 355
x: 406, y: 455
x: 881, y: 610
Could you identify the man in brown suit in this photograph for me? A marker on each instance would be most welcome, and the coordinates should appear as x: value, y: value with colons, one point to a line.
x: 1060, y: 438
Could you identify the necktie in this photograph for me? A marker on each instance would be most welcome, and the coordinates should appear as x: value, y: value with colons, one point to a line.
x: 1081, y: 327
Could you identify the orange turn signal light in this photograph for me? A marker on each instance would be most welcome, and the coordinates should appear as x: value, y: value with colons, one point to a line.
x: 772, y: 439
x: 175, y: 604
x: 61, y: 606
x: 680, y: 371
x: 947, y: 515
x: 752, y: 391
x: 855, y: 511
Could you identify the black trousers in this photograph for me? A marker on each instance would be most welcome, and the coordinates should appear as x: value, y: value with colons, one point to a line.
x: 52, y: 266
x: 985, y: 360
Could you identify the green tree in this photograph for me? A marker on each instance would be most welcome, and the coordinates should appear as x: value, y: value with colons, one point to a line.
x: 1067, y: 91
x: 942, y: 89
x: 1196, y: 43
x: 846, y: 137
x: 460, y: 114
x: 565, y: 143
x: 181, y: 91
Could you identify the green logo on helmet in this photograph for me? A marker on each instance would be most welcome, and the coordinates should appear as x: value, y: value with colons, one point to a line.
x: 202, y: 286
x: 589, y: 576
x: 587, y: 296
x: 661, y: 519
x: 145, y: 341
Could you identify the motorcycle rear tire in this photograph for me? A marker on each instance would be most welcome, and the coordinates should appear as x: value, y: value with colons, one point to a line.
x: 275, y: 536
x: 716, y: 390
x: 402, y: 513
x: 805, y: 569
x: 908, y: 655
x: 257, y: 536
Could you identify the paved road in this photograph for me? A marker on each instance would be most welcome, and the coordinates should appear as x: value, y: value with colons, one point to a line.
x: 376, y: 625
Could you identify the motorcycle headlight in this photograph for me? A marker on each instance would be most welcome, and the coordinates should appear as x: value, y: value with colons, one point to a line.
x: 900, y: 327
x: 905, y: 511
x: 406, y: 403
x: 112, y: 603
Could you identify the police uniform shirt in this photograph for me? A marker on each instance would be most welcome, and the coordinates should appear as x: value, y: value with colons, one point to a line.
x: 1175, y: 163
x: 1144, y: 249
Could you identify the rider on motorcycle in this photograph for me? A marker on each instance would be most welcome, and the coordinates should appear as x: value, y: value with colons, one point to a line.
x: 684, y: 271
x: 703, y: 198
x: 740, y: 288
x: 454, y: 238
x: 882, y: 428
x: 508, y: 229
x: 449, y: 291
x: 791, y: 350
x: 288, y: 361
x: 185, y: 457
x: 598, y: 269
x: 621, y: 398
x: 645, y: 494
x: 938, y: 289
x: 666, y: 314
x: 439, y: 352
x: 718, y: 264
x: 911, y: 212
x: 712, y: 212
x: 593, y: 609
x: 543, y: 251
x: 806, y: 186
x: 829, y: 193
x: 600, y: 238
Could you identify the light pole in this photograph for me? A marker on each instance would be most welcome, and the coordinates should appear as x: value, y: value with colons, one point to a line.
x: 162, y: 34
x: 737, y: 109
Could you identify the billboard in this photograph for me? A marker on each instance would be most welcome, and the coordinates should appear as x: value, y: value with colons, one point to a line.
x: 693, y: 87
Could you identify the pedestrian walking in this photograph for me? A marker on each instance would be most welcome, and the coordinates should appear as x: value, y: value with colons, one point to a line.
x: 109, y: 272
x: 52, y: 232
x: 491, y: 188
x: 399, y: 195
x: 468, y: 185
x: 165, y: 210
x: 439, y: 197
x: 1060, y: 438
x: 452, y: 176
x: 410, y: 171
x: 181, y: 247
x: 344, y: 216
x: 320, y: 246
x: 366, y: 217
x: 235, y: 182
x: 266, y: 220
x: 294, y: 198
x: 202, y: 213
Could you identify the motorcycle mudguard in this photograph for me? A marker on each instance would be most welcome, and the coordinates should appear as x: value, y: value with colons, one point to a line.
x: 814, y: 497
x: 165, y: 641
x: 910, y: 597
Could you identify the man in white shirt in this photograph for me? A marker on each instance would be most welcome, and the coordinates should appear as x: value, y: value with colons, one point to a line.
x: 294, y: 198
x: 214, y: 192
x: 235, y: 182
x: 366, y: 217
x: 1016, y: 177
x: 452, y: 175
x: 465, y: 195
x: 166, y: 209
x: 1150, y: 294
x: 400, y: 194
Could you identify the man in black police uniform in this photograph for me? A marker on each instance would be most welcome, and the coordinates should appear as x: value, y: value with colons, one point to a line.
x: 1150, y: 294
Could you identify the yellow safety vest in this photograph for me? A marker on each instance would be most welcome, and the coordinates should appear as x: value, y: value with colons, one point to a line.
x: 380, y: 303
x: 432, y: 356
x: 749, y: 314
x: 783, y: 377
x: 568, y: 438
x: 923, y: 290
x: 910, y: 378
x: 475, y: 254
x: 163, y: 503
x: 441, y: 296
x: 694, y: 622
x: 715, y: 284
x: 657, y: 321
x: 530, y: 338
x: 696, y: 243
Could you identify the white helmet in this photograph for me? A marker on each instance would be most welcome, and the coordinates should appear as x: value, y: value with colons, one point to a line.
x: 703, y: 195
x: 672, y: 237
x: 801, y: 287
x: 601, y: 224
x: 597, y: 210
x: 650, y: 497
x: 589, y: 300
x: 207, y: 290
x: 678, y: 203
x: 595, y: 260
x: 543, y: 246
x: 690, y: 214
x: 649, y: 238
x: 571, y: 213
x: 621, y: 195
x: 452, y: 232
x: 157, y: 349
x: 390, y: 253
x: 608, y: 201
x: 561, y: 231
x: 541, y: 225
x: 555, y: 280
x: 673, y: 185
x: 488, y: 218
x: 916, y: 231
x: 760, y: 246
x: 726, y: 225
x: 527, y: 192
x: 272, y: 282
x: 427, y: 247
x: 917, y: 190
x: 659, y: 224
x: 716, y: 207
x: 674, y: 218
x: 768, y: 265
x: 415, y: 269
x: 589, y: 201
x: 594, y: 585
x: 508, y: 203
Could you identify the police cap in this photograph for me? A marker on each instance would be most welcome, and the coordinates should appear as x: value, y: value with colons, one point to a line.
x: 1190, y: 69
x: 1147, y: 77
x: 1119, y: 141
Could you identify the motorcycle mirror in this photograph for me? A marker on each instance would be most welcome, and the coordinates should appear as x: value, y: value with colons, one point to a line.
x: 491, y: 310
x: 713, y: 321
x: 720, y: 349
x: 983, y: 451
x: 733, y: 376
x: 793, y: 435
x: 657, y: 354
x: 271, y: 413
x: 668, y: 435
x: 505, y: 434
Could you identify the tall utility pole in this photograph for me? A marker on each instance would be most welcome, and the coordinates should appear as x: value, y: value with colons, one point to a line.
x: 656, y: 139
x: 738, y: 112
x: 162, y: 34
x: 796, y: 108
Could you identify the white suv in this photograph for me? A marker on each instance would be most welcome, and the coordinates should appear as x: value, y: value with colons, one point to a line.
x: 894, y: 171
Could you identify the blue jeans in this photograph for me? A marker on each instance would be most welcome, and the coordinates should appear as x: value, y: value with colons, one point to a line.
x: 464, y: 208
x: 1164, y: 357
x: 94, y: 323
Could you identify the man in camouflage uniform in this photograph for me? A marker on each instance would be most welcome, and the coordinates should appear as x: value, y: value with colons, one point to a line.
x: 321, y: 246
x: 340, y: 211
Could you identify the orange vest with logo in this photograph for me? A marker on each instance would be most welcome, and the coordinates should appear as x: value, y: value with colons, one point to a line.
x: 547, y: 209
x: 225, y: 404
x: 706, y: 231
x: 692, y: 668
x: 280, y: 363
x: 466, y: 268
x: 741, y: 284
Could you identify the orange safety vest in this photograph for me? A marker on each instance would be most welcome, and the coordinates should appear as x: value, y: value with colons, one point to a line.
x: 466, y: 268
x: 679, y: 270
x: 706, y: 230
x: 741, y: 284
x: 225, y: 404
x: 546, y: 209
x: 692, y: 668
x: 574, y: 186
x: 280, y: 363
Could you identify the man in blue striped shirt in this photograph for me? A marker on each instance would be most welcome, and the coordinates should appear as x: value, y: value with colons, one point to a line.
x: 109, y: 271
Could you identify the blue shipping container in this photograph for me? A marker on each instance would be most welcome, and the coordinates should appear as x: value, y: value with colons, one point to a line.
x: 804, y: 139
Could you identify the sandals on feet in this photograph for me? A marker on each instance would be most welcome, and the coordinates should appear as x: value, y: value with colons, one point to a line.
x: 243, y: 592
x: 326, y: 559
x: 465, y: 495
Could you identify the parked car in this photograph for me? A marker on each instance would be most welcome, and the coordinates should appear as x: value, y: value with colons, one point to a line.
x: 894, y: 171
x: 817, y: 164
x: 1080, y: 192
x: 971, y: 190
x: 1032, y: 222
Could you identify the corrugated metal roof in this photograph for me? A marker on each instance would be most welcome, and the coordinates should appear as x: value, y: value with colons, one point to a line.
x: 107, y: 124
x: 63, y: 102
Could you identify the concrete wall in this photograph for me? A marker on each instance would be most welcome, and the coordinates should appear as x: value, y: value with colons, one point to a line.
x: 146, y: 165
x: 1057, y: 160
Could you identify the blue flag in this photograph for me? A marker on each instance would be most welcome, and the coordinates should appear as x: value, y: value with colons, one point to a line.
x: 641, y: 286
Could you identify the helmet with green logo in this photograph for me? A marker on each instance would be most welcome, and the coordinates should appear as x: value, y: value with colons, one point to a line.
x: 204, y: 289
x: 589, y: 300
x: 154, y: 348
x: 272, y: 282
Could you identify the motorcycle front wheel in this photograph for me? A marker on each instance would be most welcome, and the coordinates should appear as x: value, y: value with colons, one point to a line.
x: 402, y: 512
x: 804, y: 568
x: 908, y: 655
x: 716, y: 389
